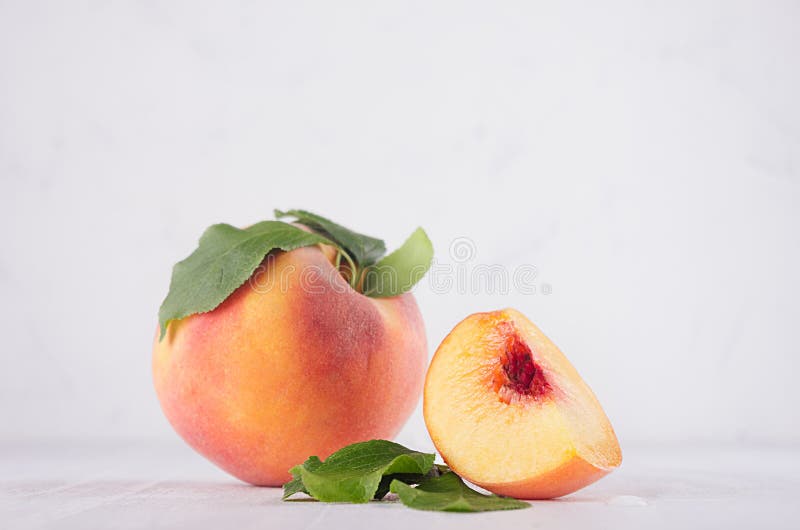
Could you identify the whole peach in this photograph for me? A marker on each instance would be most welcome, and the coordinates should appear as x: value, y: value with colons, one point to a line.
x: 294, y: 363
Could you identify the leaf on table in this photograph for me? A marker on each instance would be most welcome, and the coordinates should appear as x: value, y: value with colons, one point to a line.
x: 405, y: 478
x: 354, y: 473
x: 448, y: 493
x: 296, y: 484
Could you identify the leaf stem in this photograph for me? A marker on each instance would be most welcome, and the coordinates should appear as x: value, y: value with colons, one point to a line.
x: 353, y: 269
x: 361, y: 278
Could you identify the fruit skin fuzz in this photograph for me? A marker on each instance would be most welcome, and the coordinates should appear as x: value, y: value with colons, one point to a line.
x: 507, y: 410
x: 302, y: 368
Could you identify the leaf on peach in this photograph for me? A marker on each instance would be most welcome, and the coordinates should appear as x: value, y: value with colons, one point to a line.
x: 364, y: 249
x: 398, y: 272
x: 225, y: 258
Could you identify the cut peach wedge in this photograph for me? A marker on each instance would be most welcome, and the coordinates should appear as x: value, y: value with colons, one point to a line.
x: 508, y: 412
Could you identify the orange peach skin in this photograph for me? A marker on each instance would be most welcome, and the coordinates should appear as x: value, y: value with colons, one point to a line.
x: 277, y: 373
x: 571, y: 476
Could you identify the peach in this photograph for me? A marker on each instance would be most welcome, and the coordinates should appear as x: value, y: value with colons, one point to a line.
x: 302, y: 366
x: 508, y: 412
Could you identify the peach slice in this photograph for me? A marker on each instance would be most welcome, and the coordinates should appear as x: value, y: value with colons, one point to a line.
x: 508, y: 412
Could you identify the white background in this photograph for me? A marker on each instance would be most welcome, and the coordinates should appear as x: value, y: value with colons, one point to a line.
x: 644, y: 158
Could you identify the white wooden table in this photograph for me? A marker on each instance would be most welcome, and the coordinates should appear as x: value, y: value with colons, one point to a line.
x: 145, y: 485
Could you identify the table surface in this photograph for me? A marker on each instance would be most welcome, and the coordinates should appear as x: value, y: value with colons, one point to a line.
x: 110, y: 485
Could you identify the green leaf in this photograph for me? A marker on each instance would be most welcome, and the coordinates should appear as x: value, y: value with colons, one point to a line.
x: 296, y: 484
x: 354, y: 473
x: 405, y: 478
x: 224, y: 259
x: 448, y: 493
x: 402, y: 269
x: 365, y: 250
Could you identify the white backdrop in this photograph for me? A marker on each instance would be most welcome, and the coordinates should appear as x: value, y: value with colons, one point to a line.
x: 644, y: 158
